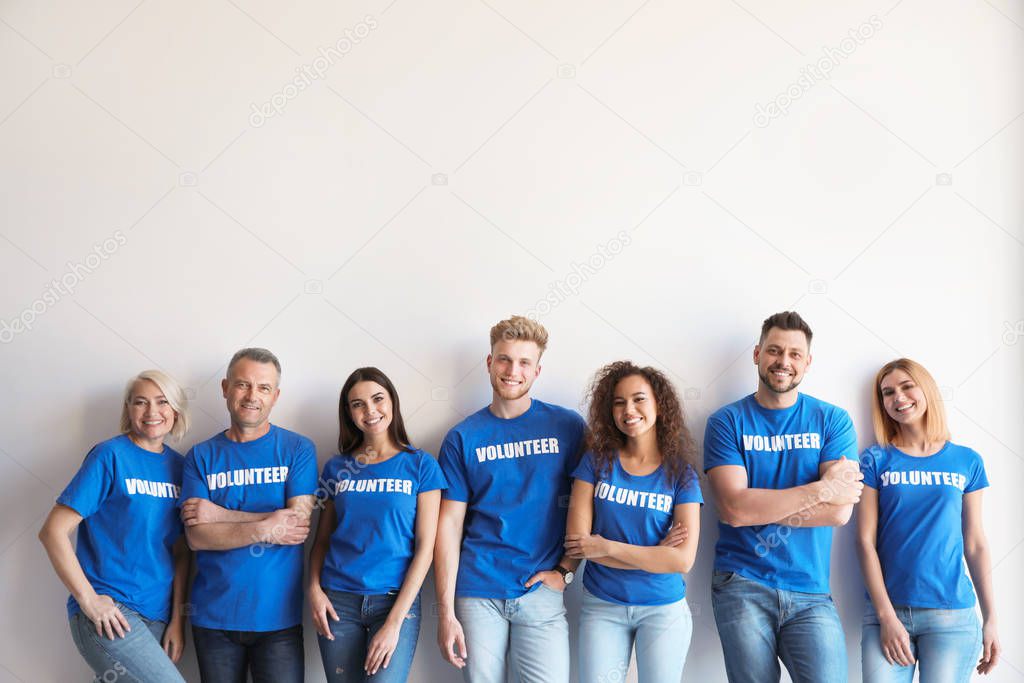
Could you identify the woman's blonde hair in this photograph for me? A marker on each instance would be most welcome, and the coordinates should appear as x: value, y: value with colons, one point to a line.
x: 886, y: 429
x: 171, y: 390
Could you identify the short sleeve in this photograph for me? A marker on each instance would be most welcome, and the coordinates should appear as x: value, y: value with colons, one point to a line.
x: 720, y: 445
x: 92, y: 484
x: 978, y: 479
x: 431, y: 476
x: 585, y: 470
x: 688, y: 488
x: 454, y: 468
x: 193, y: 485
x: 840, y: 437
x: 579, y: 430
x: 327, y: 483
x: 302, y: 472
x: 868, y: 469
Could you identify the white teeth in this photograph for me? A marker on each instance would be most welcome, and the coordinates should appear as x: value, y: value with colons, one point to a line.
x: 904, y: 407
x: 633, y: 420
x: 152, y: 422
x: 373, y: 421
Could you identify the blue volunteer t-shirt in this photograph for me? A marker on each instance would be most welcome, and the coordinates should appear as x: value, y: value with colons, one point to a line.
x: 920, y: 538
x: 637, y: 510
x: 514, y: 476
x: 375, y: 507
x: 256, y: 587
x: 779, y: 449
x: 127, y: 498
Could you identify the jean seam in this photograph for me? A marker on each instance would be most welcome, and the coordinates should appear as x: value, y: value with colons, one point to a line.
x: 108, y: 653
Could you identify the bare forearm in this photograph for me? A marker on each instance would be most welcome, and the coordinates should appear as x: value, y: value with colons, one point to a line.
x: 224, y: 535
x: 657, y: 559
x: 818, y: 515
x: 316, y: 563
x: 446, y: 566
x: 874, y: 580
x: 240, y: 516
x: 979, y: 563
x: 412, y: 582
x: 65, y: 564
x: 569, y: 563
x: 611, y: 562
x: 179, y: 591
x: 752, y: 507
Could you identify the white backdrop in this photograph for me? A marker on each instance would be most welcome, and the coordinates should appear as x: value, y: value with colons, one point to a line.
x: 377, y: 182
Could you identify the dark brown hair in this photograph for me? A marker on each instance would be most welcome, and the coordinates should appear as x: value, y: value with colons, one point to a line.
x: 605, y: 440
x: 786, y: 320
x: 350, y: 437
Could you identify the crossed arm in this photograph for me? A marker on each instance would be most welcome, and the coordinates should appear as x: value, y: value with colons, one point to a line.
x: 208, y: 526
x: 826, y: 502
x: 675, y: 553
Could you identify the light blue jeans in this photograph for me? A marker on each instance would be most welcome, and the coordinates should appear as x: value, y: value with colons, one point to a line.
x: 945, y: 642
x: 525, y: 638
x: 608, y: 632
x: 138, y: 657
x: 758, y: 625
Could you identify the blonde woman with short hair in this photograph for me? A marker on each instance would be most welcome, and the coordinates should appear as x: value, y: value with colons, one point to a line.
x: 127, y: 576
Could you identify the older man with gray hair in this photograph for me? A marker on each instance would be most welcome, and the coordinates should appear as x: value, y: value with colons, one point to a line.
x: 247, y: 495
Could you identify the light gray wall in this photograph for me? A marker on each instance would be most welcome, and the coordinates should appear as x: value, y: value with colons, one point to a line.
x: 460, y: 160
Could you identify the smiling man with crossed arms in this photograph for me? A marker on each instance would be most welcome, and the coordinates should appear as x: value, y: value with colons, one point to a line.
x: 784, y: 470
x: 247, y: 496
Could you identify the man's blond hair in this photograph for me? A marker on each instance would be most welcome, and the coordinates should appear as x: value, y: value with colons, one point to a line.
x: 520, y: 328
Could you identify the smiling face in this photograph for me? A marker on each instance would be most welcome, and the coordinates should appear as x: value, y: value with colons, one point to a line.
x: 782, y: 358
x: 904, y: 401
x: 251, y: 391
x: 369, y: 405
x: 633, y: 406
x: 150, y: 414
x: 513, y: 366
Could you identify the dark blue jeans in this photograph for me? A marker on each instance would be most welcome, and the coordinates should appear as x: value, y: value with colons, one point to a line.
x: 760, y: 625
x: 270, y: 656
x: 360, y: 617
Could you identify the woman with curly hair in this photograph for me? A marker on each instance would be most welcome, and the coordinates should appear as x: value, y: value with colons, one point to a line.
x: 635, y: 516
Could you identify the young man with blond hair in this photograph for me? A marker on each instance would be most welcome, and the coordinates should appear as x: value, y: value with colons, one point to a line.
x: 498, y: 562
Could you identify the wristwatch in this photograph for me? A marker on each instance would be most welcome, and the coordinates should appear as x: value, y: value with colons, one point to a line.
x: 567, y: 575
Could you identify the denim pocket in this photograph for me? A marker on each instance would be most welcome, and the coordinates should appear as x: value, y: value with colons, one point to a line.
x: 720, y: 579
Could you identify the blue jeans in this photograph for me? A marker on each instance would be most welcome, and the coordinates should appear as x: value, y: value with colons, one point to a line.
x: 759, y: 625
x: 361, y: 616
x: 526, y: 638
x: 945, y: 642
x: 270, y: 656
x: 138, y: 656
x: 609, y: 630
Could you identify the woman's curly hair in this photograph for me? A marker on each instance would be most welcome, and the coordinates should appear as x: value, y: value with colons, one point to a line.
x: 675, y: 442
